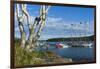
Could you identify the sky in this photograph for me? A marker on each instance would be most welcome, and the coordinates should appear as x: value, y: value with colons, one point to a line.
x: 62, y: 22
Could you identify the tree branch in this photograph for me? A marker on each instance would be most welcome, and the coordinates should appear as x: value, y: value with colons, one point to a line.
x: 24, y: 10
x: 21, y: 27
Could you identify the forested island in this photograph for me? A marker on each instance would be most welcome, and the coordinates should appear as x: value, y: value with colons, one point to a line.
x: 87, y: 38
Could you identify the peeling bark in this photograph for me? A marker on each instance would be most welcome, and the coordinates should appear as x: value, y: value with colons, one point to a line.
x: 43, y: 12
x: 21, y: 27
x: 38, y: 25
x: 24, y: 10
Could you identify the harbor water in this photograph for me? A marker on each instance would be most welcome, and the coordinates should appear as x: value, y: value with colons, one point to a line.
x: 75, y: 53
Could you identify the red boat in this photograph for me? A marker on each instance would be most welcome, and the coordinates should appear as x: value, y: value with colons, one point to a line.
x: 59, y: 45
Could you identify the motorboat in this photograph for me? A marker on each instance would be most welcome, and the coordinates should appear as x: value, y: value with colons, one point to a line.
x: 60, y: 45
x: 87, y: 45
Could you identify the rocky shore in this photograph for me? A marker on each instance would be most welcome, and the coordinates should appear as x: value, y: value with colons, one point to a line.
x: 23, y: 57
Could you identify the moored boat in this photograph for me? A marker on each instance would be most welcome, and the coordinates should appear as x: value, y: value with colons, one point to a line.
x: 60, y: 45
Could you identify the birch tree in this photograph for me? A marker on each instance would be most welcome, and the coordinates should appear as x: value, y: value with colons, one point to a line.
x: 21, y: 27
x: 38, y: 24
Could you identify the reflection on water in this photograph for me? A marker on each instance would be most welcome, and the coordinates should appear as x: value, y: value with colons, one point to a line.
x: 75, y: 53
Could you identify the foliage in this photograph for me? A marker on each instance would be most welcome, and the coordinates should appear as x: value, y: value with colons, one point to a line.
x: 85, y: 38
x: 24, y: 57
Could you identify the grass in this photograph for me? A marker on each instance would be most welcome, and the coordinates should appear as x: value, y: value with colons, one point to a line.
x: 24, y: 57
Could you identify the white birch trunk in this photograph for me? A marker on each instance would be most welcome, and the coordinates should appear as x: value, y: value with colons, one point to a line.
x: 21, y: 27
x: 38, y: 24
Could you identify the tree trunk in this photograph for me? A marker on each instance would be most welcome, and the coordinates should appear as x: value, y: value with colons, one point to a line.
x: 23, y: 35
x: 21, y: 27
x: 34, y: 30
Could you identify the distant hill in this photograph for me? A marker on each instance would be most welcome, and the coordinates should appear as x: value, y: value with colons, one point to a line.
x: 87, y: 38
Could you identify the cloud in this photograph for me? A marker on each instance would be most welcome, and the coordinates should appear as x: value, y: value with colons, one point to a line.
x: 58, y: 27
x: 59, y: 23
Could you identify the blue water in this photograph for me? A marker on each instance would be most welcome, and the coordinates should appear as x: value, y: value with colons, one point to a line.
x: 75, y: 53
